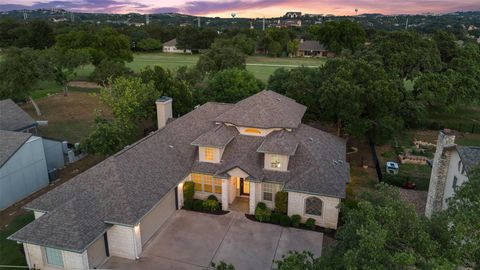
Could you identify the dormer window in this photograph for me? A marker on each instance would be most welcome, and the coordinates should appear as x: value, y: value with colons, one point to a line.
x: 275, y: 162
x: 209, y: 153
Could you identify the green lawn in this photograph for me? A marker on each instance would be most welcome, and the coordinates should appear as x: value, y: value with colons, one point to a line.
x: 10, y: 251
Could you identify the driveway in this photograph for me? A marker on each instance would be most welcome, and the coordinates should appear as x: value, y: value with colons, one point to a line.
x: 191, y: 240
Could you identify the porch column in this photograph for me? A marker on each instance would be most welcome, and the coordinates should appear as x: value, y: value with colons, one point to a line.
x: 252, y: 201
x: 225, y: 192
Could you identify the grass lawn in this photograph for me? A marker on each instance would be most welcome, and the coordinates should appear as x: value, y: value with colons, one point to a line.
x: 463, y: 119
x: 10, y: 251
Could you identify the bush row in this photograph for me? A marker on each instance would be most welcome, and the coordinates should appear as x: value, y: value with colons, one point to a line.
x: 264, y: 214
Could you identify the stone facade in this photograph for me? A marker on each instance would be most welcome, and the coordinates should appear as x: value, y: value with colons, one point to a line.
x: 330, y: 210
x: 439, y: 174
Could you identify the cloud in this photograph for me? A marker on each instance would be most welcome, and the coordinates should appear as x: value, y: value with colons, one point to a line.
x: 204, y: 7
x: 164, y: 10
x: 104, y: 6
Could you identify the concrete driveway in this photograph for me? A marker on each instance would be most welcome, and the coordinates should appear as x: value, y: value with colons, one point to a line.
x: 191, y: 240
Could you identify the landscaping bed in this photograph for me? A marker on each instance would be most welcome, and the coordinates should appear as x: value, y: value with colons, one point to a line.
x: 202, y: 209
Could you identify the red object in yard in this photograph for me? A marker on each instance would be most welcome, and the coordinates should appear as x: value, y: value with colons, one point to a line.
x: 409, y: 185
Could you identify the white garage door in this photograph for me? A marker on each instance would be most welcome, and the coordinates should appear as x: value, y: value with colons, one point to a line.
x: 153, y: 220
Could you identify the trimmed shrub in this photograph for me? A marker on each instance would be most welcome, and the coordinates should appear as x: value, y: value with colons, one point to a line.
x: 310, y: 223
x: 212, y: 197
x: 262, y: 213
x: 275, y: 218
x: 188, y: 192
x: 285, y: 221
x: 281, y: 202
x: 296, y: 220
x: 211, y: 205
x: 198, y: 205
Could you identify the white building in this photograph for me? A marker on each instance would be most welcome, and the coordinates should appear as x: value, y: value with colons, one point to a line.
x: 171, y: 47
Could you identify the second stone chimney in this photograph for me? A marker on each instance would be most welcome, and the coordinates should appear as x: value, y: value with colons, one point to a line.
x: 438, y: 178
x: 164, y: 110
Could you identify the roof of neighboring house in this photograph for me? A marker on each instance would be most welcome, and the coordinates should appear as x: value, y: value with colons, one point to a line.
x: 470, y: 156
x: 219, y: 137
x: 311, y: 45
x: 124, y: 187
x: 13, y: 118
x: 279, y: 142
x: 266, y: 109
x: 172, y: 42
x: 10, y: 142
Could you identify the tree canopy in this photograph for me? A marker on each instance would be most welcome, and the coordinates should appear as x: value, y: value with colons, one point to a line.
x: 339, y: 35
x: 232, y: 85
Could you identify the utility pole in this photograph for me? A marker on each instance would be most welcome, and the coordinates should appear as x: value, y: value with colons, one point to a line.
x: 263, y: 25
x: 72, y: 17
x: 199, y: 24
x: 147, y: 19
x: 25, y: 16
x: 406, y: 24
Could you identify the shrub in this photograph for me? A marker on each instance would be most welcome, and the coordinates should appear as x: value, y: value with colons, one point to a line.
x: 211, y: 205
x: 275, y: 218
x: 281, y: 202
x: 262, y: 213
x: 285, y: 221
x: 394, y: 179
x: 212, y: 197
x: 188, y: 205
x: 296, y: 220
x: 198, y: 205
x: 310, y: 223
x: 188, y: 192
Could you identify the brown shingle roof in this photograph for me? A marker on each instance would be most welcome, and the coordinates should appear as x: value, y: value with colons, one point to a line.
x: 219, y: 137
x: 172, y: 42
x: 10, y: 142
x: 311, y: 45
x: 266, y: 109
x: 279, y: 142
x: 13, y: 118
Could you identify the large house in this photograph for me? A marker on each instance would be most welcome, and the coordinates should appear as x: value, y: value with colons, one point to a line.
x: 244, y: 151
x: 313, y: 48
x: 171, y: 47
x: 451, y: 166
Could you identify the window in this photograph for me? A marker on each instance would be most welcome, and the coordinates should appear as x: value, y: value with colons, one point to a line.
x: 54, y: 256
x: 252, y: 130
x: 454, y: 184
x: 275, y: 162
x: 313, y: 206
x: 197, y: 180
x: 209, y: 153
x: 207, y: 183
x: 268, y: 192
x: 218, y: 185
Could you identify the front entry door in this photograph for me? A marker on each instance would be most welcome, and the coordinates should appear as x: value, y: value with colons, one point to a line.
x: 244, y: 187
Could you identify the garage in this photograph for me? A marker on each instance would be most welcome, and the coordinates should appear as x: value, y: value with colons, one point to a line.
x: 97, y: 252
x: 157, y: 216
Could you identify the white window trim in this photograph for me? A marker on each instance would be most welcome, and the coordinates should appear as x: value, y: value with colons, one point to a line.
x: 305, y: 208
x: 273, y: 192
x: 45, y: 258
x: 203, y: 184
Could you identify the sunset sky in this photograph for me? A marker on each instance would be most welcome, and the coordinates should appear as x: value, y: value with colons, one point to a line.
x: 249, y: 8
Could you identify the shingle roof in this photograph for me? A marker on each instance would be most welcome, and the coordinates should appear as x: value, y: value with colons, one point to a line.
x: 279, y: 142
x: 172, y: 42
x: 266, y: 109
x: 470, y: 156
x: 10, y: 142
x: 13, y: 118
x: 80, y: 210
x: 311, y: 45
x: 219, y: 136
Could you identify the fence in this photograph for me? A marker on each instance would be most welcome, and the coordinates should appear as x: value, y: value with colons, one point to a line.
x: 461, y: 127
x: 375, y: 159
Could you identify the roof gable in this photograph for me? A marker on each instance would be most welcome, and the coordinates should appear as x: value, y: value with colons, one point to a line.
x: 470, y: 156
x: 13, y: 118
x: 266, y: 109
x: 10, y: 142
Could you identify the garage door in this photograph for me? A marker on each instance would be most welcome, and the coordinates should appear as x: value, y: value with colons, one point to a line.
x: 153, y: 220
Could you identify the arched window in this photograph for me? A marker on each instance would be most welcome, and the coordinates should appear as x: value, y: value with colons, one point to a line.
x: 313, y: 206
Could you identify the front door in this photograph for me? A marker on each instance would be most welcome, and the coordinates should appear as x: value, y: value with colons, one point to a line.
x: 244, y: 187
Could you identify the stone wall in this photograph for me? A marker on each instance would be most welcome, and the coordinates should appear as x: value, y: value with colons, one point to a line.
x: 330, y: 210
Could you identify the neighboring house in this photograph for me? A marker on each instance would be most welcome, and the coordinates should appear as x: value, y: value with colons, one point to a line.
x: 289, y: 23
x: 293, y: 15
x: 23, y: 167
x: 171, y: 47
x: 13, y: 118
x: 313, y: 48
x: 451, y: 165
x: 248, y: 150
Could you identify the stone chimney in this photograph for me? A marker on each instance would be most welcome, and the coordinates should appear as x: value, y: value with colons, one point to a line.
x: 164, y: 110
x: 438, y: 178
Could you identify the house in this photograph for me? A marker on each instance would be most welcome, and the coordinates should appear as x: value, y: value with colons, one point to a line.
x: 13, y: 118
x: 25, y: 160
x: 244, y: 151
x: 293, y: 15
x: 171, y: 47
x: 23, y: 167
x: 289, y: 23
x: 313, y: 48
x: 451, y: 166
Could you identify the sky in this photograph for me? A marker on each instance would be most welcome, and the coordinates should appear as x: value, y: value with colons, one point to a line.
x: 249, y: 8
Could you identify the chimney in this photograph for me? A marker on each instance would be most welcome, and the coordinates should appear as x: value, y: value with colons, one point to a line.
x: 438, y: 177
x: 164, y: 110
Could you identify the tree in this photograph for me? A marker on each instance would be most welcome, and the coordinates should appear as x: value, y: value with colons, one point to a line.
x: 107, y: 137
x: 41, y: 35
x: 242, y: 42
x: 446, y: 44
x: 219, y: 58
x: 21, y: 70
x: 339, y: 35
x: 232, y: 85
x: 109, y: 70
x: 292, y: 47
x: 149, y: 44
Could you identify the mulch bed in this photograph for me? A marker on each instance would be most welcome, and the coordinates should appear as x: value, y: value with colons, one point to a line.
x: 217, y: 213
x: 328, y: 232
